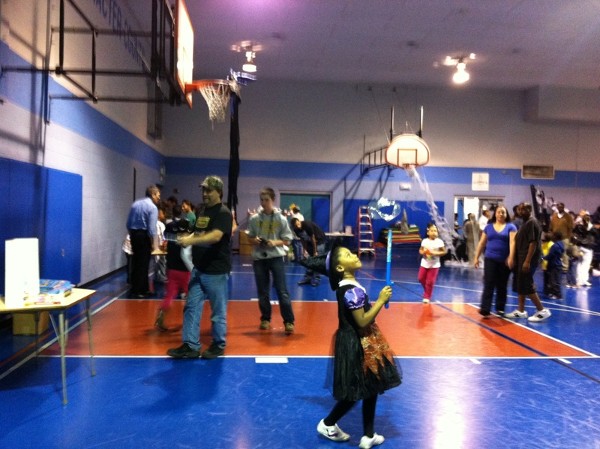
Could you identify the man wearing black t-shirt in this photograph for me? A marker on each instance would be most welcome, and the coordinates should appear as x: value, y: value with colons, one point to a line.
x: 211, y: 255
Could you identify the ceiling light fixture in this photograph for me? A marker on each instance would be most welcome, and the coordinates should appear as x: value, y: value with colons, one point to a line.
x: 249, y: 48
x: 461, y: 75
x: 249, y: 66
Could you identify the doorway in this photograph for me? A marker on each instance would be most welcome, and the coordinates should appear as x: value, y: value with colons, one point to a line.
x: 315, y: 207
x: 465, y: 205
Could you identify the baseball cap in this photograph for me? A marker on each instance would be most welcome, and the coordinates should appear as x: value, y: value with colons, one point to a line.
x: 213, y: 183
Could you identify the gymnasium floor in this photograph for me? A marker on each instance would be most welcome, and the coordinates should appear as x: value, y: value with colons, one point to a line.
x: 468, y: 382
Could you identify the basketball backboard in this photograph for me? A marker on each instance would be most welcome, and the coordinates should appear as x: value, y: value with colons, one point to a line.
x: 184, y: 49
x: 407, y: 150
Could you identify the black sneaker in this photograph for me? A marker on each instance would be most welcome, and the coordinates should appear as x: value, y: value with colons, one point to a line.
x: 183, y: 352
x: 213, y: 352
x: 305, y: 281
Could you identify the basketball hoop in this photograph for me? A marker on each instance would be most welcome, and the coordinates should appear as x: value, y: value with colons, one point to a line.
x: 216, y: 93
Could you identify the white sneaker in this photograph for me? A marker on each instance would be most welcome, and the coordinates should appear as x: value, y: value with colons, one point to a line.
x: 516, y: 314
x: 334, y: 433
x: 366, y: 442
x: 540, y: 315
x: 425, y: 301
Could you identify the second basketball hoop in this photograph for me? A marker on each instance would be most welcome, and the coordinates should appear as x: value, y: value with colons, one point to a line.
x: 407, y: 151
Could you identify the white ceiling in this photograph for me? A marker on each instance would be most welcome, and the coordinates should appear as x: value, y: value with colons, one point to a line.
x: 519, y: 43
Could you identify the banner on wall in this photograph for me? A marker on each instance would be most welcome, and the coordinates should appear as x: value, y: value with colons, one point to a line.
x: 22, y: 272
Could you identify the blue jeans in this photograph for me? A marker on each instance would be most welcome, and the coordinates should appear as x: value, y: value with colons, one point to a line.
x: 298, y: 250
x: 275, y: 265
x: 215, y: 288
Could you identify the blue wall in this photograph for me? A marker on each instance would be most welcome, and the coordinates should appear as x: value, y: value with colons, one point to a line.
x: 43, y: 203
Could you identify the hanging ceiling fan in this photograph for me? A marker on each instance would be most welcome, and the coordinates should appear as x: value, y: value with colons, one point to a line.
x: 453, y: 61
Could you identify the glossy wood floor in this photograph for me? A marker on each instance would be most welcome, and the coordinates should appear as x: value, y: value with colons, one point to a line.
x: 468, y: 382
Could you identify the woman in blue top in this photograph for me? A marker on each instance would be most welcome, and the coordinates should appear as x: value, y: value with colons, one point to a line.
x: 496, y: 240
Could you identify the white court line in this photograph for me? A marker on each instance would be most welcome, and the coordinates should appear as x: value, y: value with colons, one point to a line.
x: 271, y: 359
x: 478, y: 360
x: 541, y: 333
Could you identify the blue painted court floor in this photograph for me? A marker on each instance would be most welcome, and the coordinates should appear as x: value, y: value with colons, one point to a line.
x: 253, y: 402
x: 239, y: 403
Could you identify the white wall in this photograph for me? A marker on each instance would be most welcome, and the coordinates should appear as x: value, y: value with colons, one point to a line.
x: 322, y: 122
x: 107, y: 172
x: 26, y: 28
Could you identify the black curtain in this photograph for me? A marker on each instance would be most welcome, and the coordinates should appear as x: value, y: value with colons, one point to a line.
x: 234, y: 154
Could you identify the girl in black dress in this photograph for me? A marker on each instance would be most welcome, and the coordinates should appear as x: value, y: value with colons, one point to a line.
x: 364, y: 366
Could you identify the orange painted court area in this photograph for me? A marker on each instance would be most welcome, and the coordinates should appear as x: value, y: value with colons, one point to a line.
x: 125, y: 328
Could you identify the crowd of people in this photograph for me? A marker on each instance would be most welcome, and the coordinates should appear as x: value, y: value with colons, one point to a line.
x: 195, y: 247
x: 191, y: 247
x: 188, y: 248
x: 519, y: 245
x: 162, y: 244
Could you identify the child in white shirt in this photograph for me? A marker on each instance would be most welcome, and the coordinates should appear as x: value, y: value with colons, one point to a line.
x: 432, y: 248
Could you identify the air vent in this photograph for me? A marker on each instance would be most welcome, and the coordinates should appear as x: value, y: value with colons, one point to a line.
x: 537, y: 172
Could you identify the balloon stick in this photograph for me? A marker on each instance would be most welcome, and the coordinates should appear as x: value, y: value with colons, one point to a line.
x: 388, y: 274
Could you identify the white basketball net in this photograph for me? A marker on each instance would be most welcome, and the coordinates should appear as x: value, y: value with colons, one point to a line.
x: 410, y: 169
x: 217, y: 99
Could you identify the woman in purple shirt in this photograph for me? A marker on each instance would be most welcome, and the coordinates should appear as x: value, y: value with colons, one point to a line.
x: 495, y: 243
